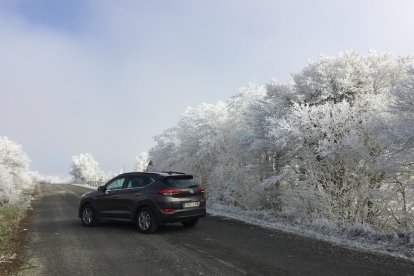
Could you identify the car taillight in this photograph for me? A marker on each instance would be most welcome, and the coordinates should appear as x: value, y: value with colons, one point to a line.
x: 169, y: 192
x: 202, y: 189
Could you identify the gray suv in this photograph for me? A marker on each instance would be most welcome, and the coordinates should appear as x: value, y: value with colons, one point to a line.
x: 147, y: 199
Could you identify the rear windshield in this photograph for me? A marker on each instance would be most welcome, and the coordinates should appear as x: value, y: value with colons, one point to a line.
x: 182, y: 181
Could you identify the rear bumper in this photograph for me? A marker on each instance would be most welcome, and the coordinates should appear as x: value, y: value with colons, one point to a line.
x: 181, y: 215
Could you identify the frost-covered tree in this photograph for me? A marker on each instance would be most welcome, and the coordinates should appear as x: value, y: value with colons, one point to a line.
x: 85, y: 168
x: 192, y: 145
x: 164, y: 155
x: 335, y: 157
x: 398, y: 134
x: 244, y: 159
x: 142, y: 161
x: 13, y: 170
x: 336, y: 144
x: 343, y: 139
x: 12, y: 156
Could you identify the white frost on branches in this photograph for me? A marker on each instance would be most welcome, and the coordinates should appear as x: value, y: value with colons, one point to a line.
x: 13, y: 170
x: 336, y: 144
x: 142, y: 161
x: 85, y: 168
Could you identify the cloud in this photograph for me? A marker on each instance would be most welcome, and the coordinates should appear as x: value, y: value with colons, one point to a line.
x: 104, y: 77
x: 106, y: 89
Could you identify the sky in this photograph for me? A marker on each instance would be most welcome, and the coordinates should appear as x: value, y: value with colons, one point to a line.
x: 104, y: 77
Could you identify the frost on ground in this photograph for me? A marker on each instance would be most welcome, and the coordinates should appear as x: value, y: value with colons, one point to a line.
x: 8, y: 258
x: 360, y: 236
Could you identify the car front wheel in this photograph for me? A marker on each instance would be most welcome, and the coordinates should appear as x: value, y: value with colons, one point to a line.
x: 88, y: 216
x: 145, y: 221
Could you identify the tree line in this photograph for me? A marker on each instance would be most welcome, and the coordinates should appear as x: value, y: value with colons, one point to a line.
x: 335, y: 143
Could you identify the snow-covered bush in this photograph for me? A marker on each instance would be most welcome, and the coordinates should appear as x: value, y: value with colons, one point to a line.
x: 360, y: 230
x: 13, y: 170
x: 85, y: 168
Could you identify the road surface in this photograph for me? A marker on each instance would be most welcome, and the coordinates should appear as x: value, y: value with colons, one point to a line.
x: 58, y: 244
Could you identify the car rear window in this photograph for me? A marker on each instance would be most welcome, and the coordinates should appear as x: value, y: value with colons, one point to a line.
x: 182, y: 181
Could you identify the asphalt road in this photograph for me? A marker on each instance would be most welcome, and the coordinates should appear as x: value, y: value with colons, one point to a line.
x: 58, y: 244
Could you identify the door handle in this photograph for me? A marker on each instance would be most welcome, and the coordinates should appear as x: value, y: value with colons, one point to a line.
x: 138, y: 194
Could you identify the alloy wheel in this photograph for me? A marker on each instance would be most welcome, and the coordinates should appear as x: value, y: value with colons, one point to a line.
x: 87, y: 216
x: 144, y: 220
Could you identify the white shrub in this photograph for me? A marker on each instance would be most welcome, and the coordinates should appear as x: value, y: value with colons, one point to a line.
x: 13, y: 170
x: 85, y: 168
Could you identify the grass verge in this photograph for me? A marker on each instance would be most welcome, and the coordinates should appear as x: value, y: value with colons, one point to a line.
x: 14, y: 219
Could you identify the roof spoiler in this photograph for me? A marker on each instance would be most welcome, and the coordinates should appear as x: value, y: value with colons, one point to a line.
x: 171, y: 172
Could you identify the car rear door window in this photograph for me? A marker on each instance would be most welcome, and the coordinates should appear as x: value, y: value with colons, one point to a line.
x: 138, y: 181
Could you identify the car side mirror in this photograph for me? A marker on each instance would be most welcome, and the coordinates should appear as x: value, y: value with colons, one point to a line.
x: 101, y: 188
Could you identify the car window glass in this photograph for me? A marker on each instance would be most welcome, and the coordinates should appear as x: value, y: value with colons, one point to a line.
x: 181, y: 181
x: 138, y: 181
x: 116, y: 184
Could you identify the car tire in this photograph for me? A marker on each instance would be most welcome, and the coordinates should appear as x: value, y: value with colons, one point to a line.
x: 145, y: 221
x: 88, y: 216
x: 190, y: 223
